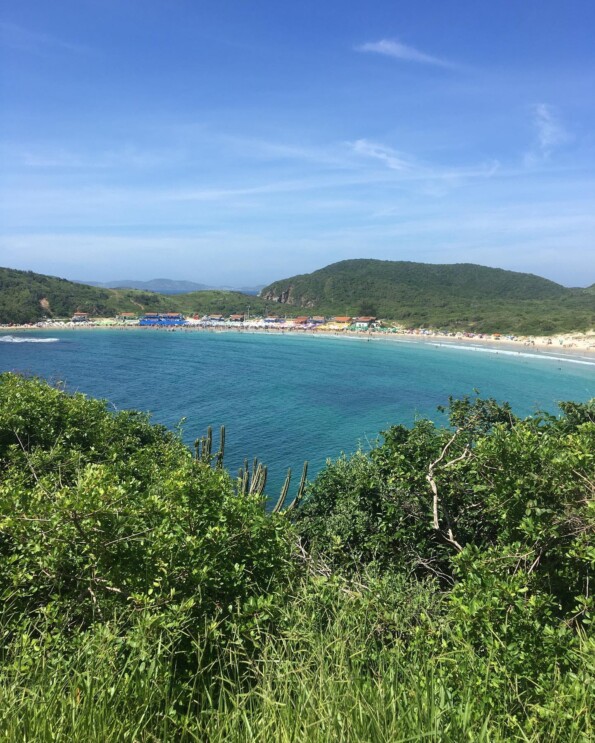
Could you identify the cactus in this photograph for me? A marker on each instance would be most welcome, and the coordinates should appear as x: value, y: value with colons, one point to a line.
x: 259, y: 478
x: 250, y: 481
x: 207, y: 446
x: 284, y: 490
x: 221, y: 452
x: 245, y: 480
x: 300, y: 492
x: 278, y: 508
x: 203, y: 448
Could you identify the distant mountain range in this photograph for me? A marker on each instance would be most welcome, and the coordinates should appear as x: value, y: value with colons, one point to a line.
x: 168, y: 286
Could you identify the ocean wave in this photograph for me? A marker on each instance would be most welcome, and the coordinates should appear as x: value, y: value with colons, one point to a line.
x: 18, y: 339
x: 528, y: 355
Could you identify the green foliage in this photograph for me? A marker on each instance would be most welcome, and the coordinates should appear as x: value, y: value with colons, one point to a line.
x: 103, y: 514
x: 439, y: 590
x: 496, y: 496
x: 369, y: 658
x: 461, y: 296
x: 26, y: 297
x: 500, y: 513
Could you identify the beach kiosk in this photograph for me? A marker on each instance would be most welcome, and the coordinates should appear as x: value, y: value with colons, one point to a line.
x: 166, y: 319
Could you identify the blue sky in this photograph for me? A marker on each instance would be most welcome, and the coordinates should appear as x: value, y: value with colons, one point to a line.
x: 235, y: 142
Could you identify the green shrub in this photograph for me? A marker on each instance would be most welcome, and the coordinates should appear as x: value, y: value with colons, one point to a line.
x: 103, y: 514
x: 446, y: 502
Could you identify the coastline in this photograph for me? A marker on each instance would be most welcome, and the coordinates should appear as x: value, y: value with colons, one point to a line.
x: 573, y: 346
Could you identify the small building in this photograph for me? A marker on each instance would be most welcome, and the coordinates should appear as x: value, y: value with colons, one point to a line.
x: 302, y: 320
x: 342, y: 320
x: 363, y: 323
x: 80, y: 317
x: 236, y: 318
x: 318, y: 320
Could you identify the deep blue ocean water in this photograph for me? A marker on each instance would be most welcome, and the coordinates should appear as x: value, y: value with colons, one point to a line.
x: 287, y: 398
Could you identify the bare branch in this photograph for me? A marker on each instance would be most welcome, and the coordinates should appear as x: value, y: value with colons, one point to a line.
x: 430, y: 477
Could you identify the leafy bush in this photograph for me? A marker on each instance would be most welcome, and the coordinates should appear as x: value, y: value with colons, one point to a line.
x: 500, y: 512
x: 104, y: 515
x: 494, y: 496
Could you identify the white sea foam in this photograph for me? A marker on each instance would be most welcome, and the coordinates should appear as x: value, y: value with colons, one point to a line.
x: 505, y: 352
x: 19, y: 339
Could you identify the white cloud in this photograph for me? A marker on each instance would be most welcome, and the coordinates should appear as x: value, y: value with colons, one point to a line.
x: 549, y: 134
x: 397, y: 50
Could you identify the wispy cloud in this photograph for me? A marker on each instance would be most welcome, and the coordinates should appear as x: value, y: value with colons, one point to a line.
x: 397, y: 50
x: 408, y: 168
x: 391, y: 158
x: 549, y: 134
x: 23, y: 39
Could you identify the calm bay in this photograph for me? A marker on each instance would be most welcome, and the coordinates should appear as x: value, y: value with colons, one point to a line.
x: 287, y: 398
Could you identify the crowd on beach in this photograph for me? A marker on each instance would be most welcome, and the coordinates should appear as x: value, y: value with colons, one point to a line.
x: 338, y: 326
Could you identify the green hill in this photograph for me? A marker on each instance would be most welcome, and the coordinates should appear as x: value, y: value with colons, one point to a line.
x: 459, y: 296
x: 27, y: 297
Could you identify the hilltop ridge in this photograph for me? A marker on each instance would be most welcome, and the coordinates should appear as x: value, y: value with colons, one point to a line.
x: 461, y: 296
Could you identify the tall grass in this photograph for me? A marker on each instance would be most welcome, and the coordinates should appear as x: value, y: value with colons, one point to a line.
x: 345, y: 663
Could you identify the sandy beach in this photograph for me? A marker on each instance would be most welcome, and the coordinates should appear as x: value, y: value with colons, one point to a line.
x: 569, y: 345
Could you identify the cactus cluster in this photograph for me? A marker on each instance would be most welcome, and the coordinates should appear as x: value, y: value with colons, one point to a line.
x: 203, y: 448
x: 285, y: 489
x: 250, y: 481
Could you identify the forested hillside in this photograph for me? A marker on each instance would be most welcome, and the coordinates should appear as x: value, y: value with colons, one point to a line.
x: 461, y: 296
x: 458, y: 297
x: 28, y: 297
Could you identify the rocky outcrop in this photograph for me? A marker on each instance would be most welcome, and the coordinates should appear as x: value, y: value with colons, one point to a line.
x: 281, y: 295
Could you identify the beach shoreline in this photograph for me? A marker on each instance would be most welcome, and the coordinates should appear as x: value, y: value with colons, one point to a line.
x: 569, y: 346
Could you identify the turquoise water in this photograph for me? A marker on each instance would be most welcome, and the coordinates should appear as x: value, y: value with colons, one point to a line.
x: 287, y: 398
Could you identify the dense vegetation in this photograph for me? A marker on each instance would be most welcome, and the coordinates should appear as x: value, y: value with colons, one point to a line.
x: 28, y: 297
x: 437, y: 588
x: 456, y: 297
x: 460, y: 296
